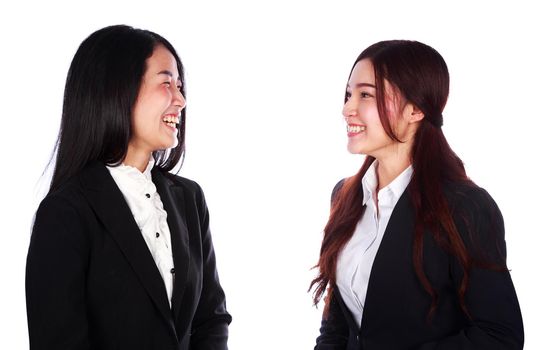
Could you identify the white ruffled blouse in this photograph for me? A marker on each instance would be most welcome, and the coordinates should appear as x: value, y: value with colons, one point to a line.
x: 142, y: 198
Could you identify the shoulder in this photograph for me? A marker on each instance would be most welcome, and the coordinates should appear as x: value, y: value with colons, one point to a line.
x: 178, y: 180
x: 470, y: 198
x: 62, y: 219
x: 68, y: 197
x: 191, y: 193
x: 75, y: 194
x: 479, y: 222
x: 190, y: 188
x: 338, y: 186
x: 337, y: 189
x: 94, y: 176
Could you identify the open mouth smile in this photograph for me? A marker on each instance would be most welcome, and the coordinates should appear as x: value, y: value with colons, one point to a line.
x: 171, y: 120
x: 355, y: 129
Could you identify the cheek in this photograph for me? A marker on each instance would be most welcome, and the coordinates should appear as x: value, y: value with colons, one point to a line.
x: 162, y: 96
x: 149, y: 110
x: 376, y: 131
x: 143, y: 124
x: 372, y: 118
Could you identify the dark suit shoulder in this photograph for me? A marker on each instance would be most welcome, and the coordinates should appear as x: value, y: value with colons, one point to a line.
x: 61, y: 221
x: 68, y: 194
x: 336, y: 190
x: 479, y: 222
x: 464, y: 190
x: 470, y: 200
x: 191, y: 189
x: 177, y: 180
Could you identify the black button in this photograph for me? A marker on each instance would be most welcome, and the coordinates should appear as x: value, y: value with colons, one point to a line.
x: 157, y: 234
x: 172, y: 270
x: 147, y: 195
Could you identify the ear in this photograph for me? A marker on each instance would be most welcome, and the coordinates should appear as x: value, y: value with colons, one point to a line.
x: 413, y: 114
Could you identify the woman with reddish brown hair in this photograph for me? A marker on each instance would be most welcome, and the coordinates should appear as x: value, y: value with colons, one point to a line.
x: 413, y: 255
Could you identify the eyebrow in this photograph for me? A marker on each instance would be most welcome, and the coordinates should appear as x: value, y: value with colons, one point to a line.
x: 169, y: 73
x: 166, y: 72
x: 358, y: 85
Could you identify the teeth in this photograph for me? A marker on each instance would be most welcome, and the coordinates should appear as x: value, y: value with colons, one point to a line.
x: 355, y: 128
x: 171, y: 119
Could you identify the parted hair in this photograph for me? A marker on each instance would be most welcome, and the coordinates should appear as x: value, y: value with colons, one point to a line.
x: 420, y: 76
x: 101, y: 89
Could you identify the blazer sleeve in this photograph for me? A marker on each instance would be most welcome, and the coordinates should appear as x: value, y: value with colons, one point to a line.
x: 55, y: 279
x: 334, y: 331
x: 496, y: 321
x: 211, y: 320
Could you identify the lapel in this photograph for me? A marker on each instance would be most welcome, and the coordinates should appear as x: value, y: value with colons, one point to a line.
x: 397, y: 237
x: 107, y: 201
x: 172, y: 196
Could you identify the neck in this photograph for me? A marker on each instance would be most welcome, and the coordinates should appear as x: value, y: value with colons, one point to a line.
x: 393, y: 160
x: 137, y: 158
x: 393, y: 164
x: 389, y: 171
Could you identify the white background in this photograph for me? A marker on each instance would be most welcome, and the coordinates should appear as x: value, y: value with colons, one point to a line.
x: 265, y: 136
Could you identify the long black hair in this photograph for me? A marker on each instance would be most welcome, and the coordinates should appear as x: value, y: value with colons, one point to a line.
x: 101, y: 89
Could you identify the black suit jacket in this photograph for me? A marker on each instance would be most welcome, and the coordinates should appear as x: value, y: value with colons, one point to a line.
x: 396, y: 304
x: 91, y: 282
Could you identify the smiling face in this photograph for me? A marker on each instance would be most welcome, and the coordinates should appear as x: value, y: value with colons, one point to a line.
x: 156, y: 112
x: 366, y: 134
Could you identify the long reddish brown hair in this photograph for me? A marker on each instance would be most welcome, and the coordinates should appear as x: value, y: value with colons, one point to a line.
x: 420, y: 76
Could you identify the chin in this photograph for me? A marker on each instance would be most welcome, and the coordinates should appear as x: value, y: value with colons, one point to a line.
x: 169, y: 143
x: 354, y: 149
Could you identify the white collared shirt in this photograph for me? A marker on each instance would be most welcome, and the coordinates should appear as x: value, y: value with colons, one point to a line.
x: 355, y: 261
x: 151, y: 218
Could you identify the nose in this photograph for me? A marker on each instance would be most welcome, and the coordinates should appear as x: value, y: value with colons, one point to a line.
x: 178, y: 99
x: 349, y: 110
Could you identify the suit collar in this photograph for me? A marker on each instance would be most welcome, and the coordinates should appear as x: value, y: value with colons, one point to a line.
x: 172, y: 196
x: 111, y: 208
x: 394, y: 243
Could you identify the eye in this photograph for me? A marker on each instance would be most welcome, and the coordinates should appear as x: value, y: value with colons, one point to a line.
x: 167, y: 83
x: 364, y: 94
x: 347, y: 95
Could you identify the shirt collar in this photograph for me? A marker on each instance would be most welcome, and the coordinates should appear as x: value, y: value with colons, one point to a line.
x: 369, y: 182
x: 148, y: 171
x: 128, y: 171
x: 396, y: 187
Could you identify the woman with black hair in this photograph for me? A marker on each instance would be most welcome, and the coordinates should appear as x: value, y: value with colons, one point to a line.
x: 121, y: 255
x: 413, y: 254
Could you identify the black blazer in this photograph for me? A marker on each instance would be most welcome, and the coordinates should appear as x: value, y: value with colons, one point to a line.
x: 396, y: 304
x: 91, y: 282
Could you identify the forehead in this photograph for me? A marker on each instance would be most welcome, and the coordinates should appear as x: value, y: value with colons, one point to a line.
x: 363, y: 72
x: 161, y: 60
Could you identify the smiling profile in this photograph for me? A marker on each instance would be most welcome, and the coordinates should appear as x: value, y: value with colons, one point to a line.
x: 121, y: 254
